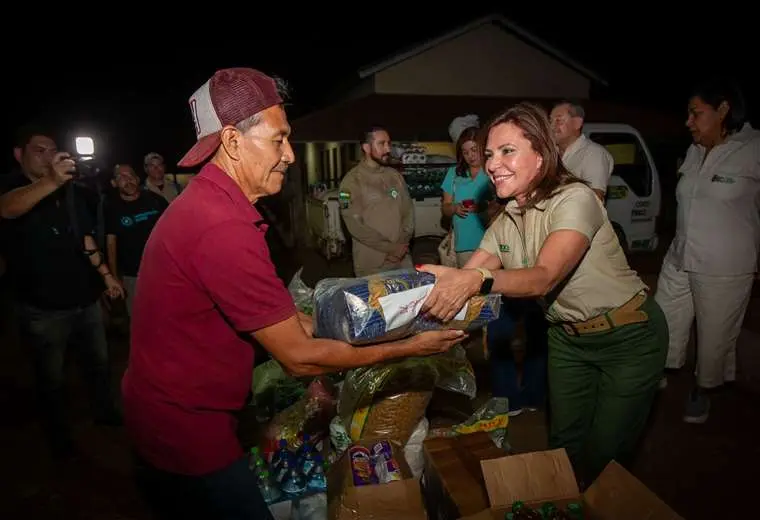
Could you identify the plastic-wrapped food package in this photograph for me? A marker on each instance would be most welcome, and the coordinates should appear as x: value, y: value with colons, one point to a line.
x: 413, y: 450
x: 386, y: 306
x: 388, y: 400
x: 491, y: 418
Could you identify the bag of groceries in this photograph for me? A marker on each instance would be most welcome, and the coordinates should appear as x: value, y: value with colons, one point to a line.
x: 388, y: 400
x: 386, y: 306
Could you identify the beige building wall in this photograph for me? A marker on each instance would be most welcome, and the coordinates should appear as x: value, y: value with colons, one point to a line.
x: 486, y: 61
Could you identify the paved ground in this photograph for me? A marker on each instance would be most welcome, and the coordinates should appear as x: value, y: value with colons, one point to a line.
x: 704, y: 472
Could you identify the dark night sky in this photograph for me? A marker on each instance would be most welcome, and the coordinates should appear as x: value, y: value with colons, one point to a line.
x: 131, y: 91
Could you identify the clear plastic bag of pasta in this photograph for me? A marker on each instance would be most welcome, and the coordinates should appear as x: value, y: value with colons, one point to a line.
x: 389, y: 399
x: 386, y: 306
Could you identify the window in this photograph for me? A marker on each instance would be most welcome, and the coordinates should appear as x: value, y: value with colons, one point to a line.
x: 631, y: 163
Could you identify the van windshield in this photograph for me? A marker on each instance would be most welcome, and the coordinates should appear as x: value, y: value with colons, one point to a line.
x: 631, y: 164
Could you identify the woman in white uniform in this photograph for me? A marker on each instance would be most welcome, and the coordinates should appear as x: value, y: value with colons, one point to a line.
x: 708, y: 271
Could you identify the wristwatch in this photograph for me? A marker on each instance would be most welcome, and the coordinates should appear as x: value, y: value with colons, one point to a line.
x: 487, y: 283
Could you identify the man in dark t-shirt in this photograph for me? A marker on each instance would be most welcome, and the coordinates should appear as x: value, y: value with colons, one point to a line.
x: 130, y: 216
x: 57, y: 275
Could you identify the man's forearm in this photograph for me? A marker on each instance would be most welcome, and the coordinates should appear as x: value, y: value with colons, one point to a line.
x: 112, y: 262
x: 112, y: 267
x: 327, y: 356
x: 95, y: 256
x: 20, y: 201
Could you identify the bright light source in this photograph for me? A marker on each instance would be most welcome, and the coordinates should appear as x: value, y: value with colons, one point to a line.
x: 85, y: 146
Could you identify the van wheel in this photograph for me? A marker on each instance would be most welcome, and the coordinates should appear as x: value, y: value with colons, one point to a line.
x: 621, y: 238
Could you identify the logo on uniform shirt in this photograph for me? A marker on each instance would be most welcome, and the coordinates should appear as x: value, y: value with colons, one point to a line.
x: 504, y: 248
x: 344, y: 197
x: 723, y: 179
x: 127, y: 221
x: 393, y: 193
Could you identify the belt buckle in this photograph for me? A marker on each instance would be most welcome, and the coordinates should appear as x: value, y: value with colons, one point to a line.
x: 570, y: 329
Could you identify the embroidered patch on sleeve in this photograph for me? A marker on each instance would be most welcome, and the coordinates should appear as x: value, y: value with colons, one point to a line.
x: 345, y: 199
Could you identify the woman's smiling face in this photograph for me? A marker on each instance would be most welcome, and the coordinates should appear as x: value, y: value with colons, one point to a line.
x: 511, y: 162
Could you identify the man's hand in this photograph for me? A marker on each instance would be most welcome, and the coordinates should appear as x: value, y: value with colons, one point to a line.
x: 61, y: 169
x: 436, y: 341
x: 453, y: 287
x: 114, y: 289
x: 398, y: 254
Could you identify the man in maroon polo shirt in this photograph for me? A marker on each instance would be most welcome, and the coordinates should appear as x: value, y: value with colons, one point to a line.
x: 207, y: 289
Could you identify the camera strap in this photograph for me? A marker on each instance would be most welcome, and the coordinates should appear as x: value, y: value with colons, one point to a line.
x: 76, y: 229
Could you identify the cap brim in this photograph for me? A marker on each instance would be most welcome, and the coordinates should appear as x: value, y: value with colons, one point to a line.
x: 203, y: 149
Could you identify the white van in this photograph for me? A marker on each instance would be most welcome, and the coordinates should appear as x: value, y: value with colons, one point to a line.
x: 633, y: 194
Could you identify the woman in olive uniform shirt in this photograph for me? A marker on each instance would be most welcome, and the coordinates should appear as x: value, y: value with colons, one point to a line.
x: 608, y: 337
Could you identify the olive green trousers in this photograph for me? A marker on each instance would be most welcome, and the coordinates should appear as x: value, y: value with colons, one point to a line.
x: 601, y: 389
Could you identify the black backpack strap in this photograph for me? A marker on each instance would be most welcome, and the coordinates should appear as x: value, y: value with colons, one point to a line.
x: 76, y: 228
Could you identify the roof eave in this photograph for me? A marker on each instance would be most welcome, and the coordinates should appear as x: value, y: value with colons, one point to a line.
x: 370, y: 70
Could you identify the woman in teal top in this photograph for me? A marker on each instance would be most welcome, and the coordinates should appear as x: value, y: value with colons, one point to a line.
x: 467, y: 193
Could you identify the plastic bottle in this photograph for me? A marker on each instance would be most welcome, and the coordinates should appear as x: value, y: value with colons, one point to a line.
x: 294, y: 482
x: 252, y: 455
x: 522, y: 512
x: 279, y: 455
x: 305, y: 446
x: 283, y: 469
x: 316, y: 479
x: 575, y: 511
x: 269, y: 490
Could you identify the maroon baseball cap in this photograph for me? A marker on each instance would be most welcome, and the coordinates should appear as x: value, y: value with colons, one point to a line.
x: 228, y: 97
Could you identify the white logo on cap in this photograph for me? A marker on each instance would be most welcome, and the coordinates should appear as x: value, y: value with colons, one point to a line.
x: 194, y: 110
x: 204, y: 116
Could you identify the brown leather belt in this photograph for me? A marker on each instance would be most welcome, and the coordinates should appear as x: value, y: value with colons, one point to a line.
x: 626, y: 314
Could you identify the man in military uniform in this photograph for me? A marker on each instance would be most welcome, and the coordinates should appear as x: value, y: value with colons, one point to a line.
x: 377, y: 209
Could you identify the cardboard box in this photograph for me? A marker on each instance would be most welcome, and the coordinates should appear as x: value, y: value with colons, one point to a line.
x: 547, y: 476
x: 398, y: 500
x: 452, y: 483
